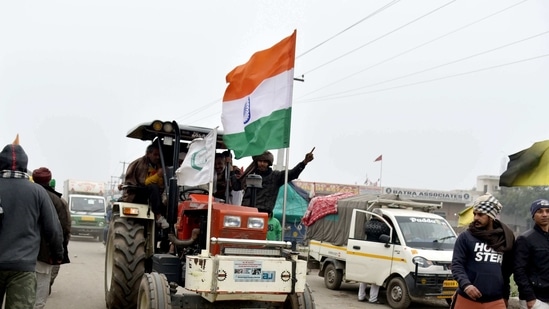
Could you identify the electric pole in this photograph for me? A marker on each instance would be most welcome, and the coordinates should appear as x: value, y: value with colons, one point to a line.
x: 123, y: 175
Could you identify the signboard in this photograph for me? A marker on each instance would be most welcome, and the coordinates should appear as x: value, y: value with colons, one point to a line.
x: 430, y: 195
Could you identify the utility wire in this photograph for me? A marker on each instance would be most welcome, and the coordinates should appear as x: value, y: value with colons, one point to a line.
x: 351, y: 26
x: 197, y: 110
x: 433, y: 79
x: 202, y: 108
x: 380, y: 37
x: 445, y: 64
x: 414, y: 48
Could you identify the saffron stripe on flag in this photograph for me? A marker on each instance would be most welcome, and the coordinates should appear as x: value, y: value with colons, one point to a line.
x: 244, y: 79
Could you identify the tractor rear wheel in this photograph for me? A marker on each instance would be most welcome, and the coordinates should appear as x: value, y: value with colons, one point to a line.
x: 124, y: 262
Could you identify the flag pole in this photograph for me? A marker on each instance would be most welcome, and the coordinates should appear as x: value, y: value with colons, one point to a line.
x: 210, y: 198
x: 380, y: 172
x: 287, y: 150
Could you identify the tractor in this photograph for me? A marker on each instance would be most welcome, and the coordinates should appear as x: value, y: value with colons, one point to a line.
x: 214, y: 254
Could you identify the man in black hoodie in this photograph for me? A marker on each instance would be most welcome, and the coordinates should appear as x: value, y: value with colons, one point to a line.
x: 483, y: 259
x: 27, y: 214
x: 532, y: 259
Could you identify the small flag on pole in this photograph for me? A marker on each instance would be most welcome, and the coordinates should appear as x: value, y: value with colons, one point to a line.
x: 379, y: 158
x: 198, y: 166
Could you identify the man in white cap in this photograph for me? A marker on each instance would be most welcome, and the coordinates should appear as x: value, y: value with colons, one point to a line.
x: 532, y: 259
x: 482, y: 262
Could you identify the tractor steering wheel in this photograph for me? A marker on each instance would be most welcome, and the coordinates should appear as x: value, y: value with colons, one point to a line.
x: 185, y: 194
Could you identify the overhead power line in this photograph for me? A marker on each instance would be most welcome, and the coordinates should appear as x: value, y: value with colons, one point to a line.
x: 351, y: 26
x: 445, y: 64
x: 197, y: 110
x: 415, y: 47
x: 380, y: 37
x: 203, y: 108
x: 433, y: 79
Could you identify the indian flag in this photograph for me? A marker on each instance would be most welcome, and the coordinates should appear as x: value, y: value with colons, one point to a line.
x: 257, y: 105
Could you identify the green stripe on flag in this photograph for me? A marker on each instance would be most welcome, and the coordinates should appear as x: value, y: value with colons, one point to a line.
x: 271, y: 132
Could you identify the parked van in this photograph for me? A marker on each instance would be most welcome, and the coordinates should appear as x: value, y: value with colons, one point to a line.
x: 410, y: 257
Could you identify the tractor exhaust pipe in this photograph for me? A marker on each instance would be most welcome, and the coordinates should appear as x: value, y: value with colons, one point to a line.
x: 184, y: 243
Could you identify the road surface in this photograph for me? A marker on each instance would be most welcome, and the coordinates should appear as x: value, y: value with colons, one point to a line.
x: 80, y: 283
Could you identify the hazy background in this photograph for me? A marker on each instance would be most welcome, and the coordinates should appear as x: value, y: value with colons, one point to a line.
x: 445, y: 90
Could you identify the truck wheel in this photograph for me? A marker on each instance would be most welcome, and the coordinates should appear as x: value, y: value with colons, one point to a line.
x: 332, y: 277
x: 154, y: 292
x: 124, y: 263
x: 397, y: 294
x: 301, y: 301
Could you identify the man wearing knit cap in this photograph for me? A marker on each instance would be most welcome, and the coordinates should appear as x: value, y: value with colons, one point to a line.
x: 271, y: 180
x: 28, y: 215
x: 532, y: 259
x: 44, y: 265
x: 483, y: 259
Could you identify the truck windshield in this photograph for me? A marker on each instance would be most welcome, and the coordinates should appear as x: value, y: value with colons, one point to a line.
x: 428, y: 233
x: 88, y: 204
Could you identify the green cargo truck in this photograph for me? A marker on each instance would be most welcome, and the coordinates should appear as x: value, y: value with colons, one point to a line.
x: 87, y: 205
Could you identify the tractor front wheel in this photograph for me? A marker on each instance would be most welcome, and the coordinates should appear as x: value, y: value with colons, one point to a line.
x: 124, y: 262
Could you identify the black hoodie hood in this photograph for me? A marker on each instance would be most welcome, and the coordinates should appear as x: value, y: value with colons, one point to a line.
x: 13, y: 158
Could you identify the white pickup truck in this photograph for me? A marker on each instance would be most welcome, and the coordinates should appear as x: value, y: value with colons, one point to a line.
x: 411, y: 258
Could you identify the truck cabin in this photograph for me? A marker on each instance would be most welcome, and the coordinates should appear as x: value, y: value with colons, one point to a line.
x: 418, y: 229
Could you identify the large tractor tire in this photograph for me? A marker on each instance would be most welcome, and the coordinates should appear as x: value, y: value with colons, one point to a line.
x: 397, y: 294
x: 333, y: 277
x: 301, y: 300
x: 124, y: 263
x: 154, y: 292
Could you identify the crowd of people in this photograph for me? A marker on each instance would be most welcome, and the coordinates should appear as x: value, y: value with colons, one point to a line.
x: 487, y: 254
x: 34, y: 231
x: 144, y: 183
x: 35, y: 225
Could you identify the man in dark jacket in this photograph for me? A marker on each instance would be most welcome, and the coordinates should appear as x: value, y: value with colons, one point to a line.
x: 483, y: 259
x: 146, y: 180
x: 532, y: 259
x: 28, y: 215
x: 271, y: 180
x: 44, y: 265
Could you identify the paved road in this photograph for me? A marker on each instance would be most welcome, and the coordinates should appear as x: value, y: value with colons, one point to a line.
x: 346, y: 296
x: 80, y: 283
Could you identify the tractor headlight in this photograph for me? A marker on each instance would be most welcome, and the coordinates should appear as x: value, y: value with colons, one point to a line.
x: 256, y: 223
x: 231, y: 221
x: 422, y: 262
x: 167, y: 127
x: 157, y: 125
